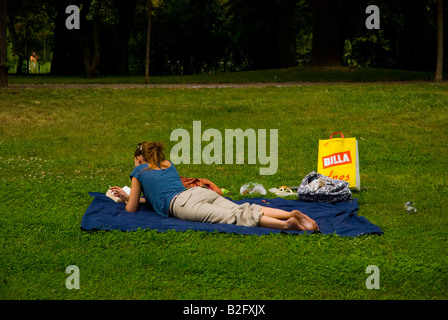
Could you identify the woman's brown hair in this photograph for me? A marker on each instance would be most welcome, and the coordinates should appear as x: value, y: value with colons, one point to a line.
x: 152, y: 152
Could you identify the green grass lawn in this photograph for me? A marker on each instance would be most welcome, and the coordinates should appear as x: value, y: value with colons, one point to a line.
x: 295, y: 74
x: 58, y: 145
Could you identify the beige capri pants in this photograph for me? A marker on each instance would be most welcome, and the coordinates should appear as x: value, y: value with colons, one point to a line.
x: 204, y: 205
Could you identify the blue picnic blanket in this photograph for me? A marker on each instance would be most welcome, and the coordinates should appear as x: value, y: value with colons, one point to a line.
x: 339, y: 218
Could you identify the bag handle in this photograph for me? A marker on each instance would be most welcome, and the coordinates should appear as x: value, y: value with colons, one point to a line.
x: 342, y: 136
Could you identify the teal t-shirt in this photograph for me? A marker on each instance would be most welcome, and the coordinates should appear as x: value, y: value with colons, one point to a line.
x: 158, y: 186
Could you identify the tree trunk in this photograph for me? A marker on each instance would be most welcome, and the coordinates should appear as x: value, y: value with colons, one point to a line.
x: 439, y: 65
x: 67, y: 55
x: 126, y: 10
x: 3, y: 46
x: 148, y: 42
x: 327, y: 43
x: 285, y: 33
x: 17, y: 45
x: 91, y: 54
x: 89, y: 42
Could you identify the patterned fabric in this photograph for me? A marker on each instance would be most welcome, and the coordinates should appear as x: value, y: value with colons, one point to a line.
x: 330, y: 190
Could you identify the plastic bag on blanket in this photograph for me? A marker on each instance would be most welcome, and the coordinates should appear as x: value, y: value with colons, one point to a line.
x: 317, y: 187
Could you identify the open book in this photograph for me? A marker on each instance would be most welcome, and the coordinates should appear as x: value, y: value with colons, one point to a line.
x: 116, y: 199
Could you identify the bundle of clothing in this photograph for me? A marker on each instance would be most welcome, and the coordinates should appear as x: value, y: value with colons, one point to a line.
x: 317, y: 187
x: 199, y: 182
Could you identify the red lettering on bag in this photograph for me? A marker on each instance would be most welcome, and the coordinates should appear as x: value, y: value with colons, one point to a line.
x: 336, y: 159
x: 341, y: 177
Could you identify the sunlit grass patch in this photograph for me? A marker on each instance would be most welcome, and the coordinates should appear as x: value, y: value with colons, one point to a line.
x: 58, y: 145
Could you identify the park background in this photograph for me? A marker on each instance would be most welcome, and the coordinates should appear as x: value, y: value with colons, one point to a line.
x: 209, y: 36
x: 307, y: 68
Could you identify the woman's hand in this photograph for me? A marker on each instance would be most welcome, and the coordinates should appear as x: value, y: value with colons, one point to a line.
x: 118, y: 192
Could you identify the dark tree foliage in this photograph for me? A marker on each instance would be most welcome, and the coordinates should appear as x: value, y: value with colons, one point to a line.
x: 201, y: 36
x: 3, y: 67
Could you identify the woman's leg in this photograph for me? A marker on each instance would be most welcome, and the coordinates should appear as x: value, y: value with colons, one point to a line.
x: 204, y: 205
x: 306, y: 222
x: 207, y: 206
x: 277, y: 218
x: 290, y: 224
x: 272, y: 217
x: 276, y: 213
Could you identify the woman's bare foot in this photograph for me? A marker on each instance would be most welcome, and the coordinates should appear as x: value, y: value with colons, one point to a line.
x: 306, y: 222
x: 293, y: 224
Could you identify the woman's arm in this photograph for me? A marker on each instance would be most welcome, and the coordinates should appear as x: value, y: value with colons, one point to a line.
x: 134, y: 197
x: 120, y: 193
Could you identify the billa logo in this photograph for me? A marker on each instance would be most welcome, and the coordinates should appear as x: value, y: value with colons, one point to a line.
x: 337, y: 159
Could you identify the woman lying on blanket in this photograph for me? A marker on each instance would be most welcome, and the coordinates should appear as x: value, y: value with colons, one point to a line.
x: 161, y: 185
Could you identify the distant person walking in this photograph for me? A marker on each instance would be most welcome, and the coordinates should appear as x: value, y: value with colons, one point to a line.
x: 33, y: 63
